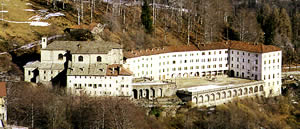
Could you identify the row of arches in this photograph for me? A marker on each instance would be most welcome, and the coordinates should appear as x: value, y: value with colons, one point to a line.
x: 199, y: 74
x: 149, y: 93
x: 209, y: 97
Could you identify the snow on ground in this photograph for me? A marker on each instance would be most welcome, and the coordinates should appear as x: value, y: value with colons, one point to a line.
x: 39, y: 24
x: 53, y: 15
x: 4, y: 11
x: 36, y: 18
x: 29, y: 10
x: 28, y: 4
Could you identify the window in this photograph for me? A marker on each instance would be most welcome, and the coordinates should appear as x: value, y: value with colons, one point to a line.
x: 203, y: 53
x: 60, y: 56
x: 80, y: 58
x: 174, y: 62
x: 99, y: 59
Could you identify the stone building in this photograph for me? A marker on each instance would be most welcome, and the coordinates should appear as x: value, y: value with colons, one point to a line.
x: 82, y: 65
x: 3, y: 109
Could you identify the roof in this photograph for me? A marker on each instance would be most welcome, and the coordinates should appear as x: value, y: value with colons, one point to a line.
x: 236, y: 45
x: 97, y: 69
x: 2, y: 89
x: 252, y: 47
x: 88, y: 47
x: 117, y: 70
x: 180, y: 48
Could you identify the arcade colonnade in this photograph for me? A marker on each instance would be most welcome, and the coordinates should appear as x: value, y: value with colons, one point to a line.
x: 223, y: 95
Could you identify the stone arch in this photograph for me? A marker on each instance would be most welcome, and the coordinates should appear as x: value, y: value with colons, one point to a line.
x: 203, y: 74
x: 153, y: 93
x: 147, y: 95
x: 185, y: 75
x: 245, y: 91
x: 218, y: 96
x: 250, y: 90
x: 160, y: 92
x: 206, y: 98
x: 240, y: 92
x: 141, y: 93
x: 223, y: 95
x: 197, y: 74
x: 179, y: 75
x: 256, y: 89
x: 135, y: 94
x: 195, y: 99
x: 212, y: 97
x: 200, y: 99
x: 234, y: 93
x: 229, y: 94
x: 261, y: 88
x: 173, y: 75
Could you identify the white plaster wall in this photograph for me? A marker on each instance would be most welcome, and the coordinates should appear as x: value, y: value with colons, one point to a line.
x: 239, y: 59
x: 28, y: 74
x: 48, y: 74
x: 162, y: 66
x: 271, y: 72
x: 51, y: 56
x: 110, y: 85
x: 115, y: 56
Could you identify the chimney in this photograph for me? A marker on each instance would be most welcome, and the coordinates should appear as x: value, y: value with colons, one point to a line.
x: 44, y: 42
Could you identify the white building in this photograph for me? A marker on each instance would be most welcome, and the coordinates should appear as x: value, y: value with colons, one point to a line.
x: 179, y: 61
x: 84, y: 65
x: 244, y: 60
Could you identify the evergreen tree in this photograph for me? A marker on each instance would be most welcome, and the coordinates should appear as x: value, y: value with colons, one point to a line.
x: 285, y: 27
x: 146, y: 17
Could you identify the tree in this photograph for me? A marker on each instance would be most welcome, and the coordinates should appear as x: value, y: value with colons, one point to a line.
x: 146, y: 17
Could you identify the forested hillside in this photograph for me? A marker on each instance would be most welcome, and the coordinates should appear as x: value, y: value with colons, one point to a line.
x: 174, y: 22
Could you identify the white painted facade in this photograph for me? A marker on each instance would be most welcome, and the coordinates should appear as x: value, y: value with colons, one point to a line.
x: 179, y: 64
x: 100, y: 85
x: 55, y: 60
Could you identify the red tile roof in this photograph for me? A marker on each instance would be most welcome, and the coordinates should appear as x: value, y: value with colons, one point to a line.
x: 236, y: 45
x: 116, y: 70
x: 251, y: 47
x: 2, y: 89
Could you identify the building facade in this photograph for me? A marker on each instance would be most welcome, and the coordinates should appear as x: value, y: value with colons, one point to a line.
x: 236, y: 59
x: 92, y: 67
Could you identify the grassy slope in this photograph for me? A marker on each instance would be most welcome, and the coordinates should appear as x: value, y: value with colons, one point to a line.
x: 22, y: 33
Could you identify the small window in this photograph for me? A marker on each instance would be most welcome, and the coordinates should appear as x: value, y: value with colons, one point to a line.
x: 99, y: 59
x: 60, y: 56
x: 80, y: 58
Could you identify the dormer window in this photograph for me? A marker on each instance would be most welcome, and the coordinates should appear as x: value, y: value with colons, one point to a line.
x: 80, y: 59
x: 60, y: 56
x: 99, y: 59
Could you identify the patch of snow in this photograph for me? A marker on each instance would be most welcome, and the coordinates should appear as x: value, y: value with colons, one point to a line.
x: 53, y: 15
x: 36, y: 18
x: 43, y: 10
x: 28, y: 4
x: 39, y: 24
x: 29, y: 10
x: 4, y: 11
